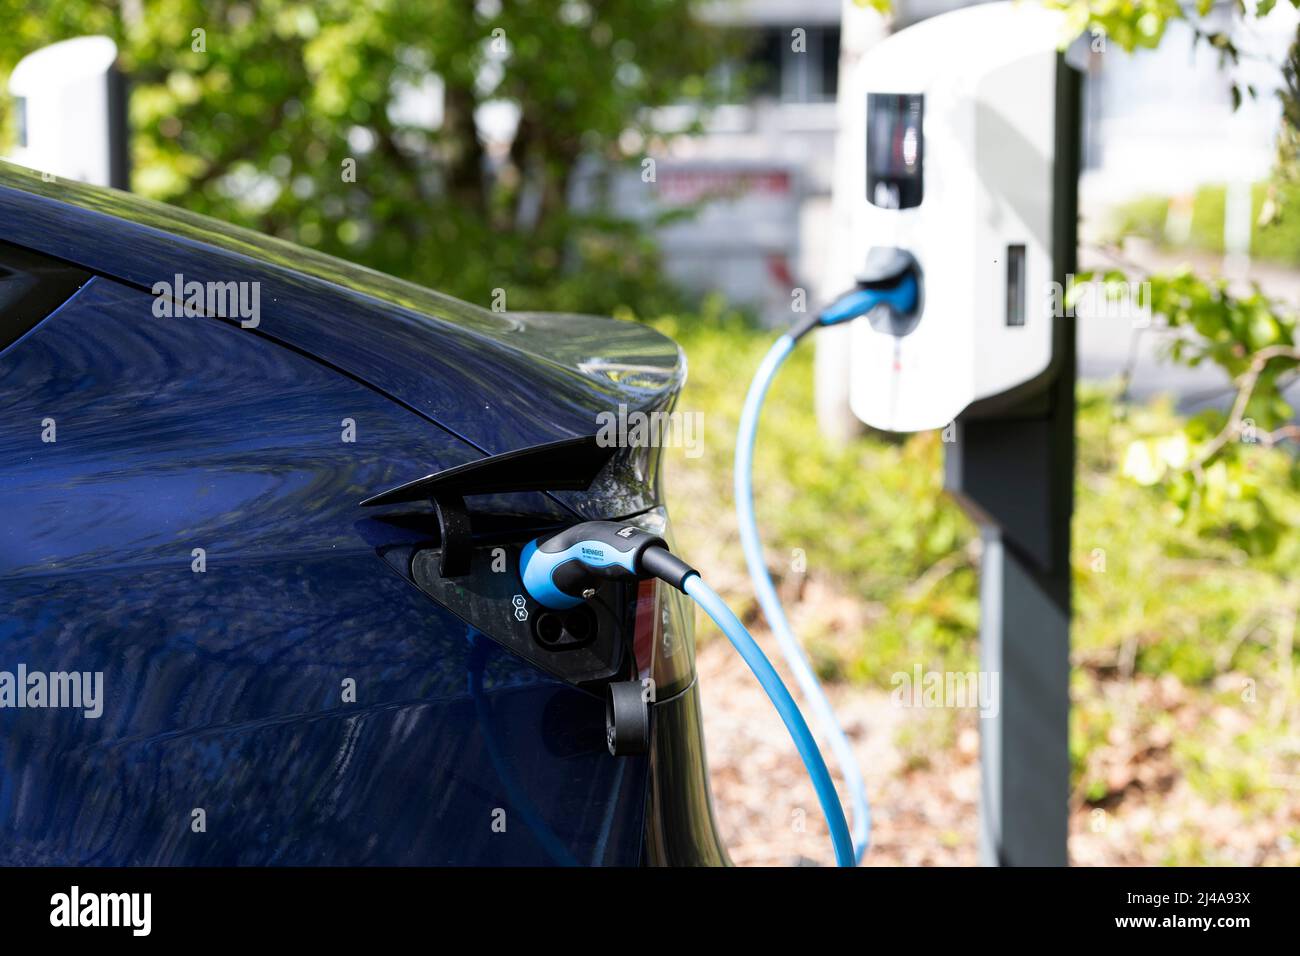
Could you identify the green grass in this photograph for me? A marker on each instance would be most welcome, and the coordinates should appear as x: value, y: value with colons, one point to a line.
x: 1152, y: 596
x: 1277, y: 240
x: 870, y: 517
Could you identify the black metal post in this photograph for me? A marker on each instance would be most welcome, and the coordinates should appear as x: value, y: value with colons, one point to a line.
x: 1012, y: 469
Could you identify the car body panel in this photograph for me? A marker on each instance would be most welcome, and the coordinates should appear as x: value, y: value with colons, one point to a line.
x: 226, y: 690
x: 500, y: 381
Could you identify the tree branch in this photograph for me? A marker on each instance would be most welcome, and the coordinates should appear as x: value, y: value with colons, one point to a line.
x: 1245, y: 389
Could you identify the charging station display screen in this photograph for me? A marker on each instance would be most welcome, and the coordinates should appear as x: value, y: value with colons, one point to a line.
x: 895, y: 149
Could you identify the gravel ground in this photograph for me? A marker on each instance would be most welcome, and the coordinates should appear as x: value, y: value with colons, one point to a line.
x: 922, y: 773
x: 765, y: 805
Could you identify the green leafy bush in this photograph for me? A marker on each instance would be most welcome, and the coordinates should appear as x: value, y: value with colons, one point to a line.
x: 1161, y: 590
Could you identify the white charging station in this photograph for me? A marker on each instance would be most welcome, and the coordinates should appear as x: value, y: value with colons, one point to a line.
x: 70, y: 100
x: 950, y: 157
x: 962, y: 150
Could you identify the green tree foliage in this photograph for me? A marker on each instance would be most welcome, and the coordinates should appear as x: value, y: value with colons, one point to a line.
x: 252, y: 112
x: 1288, y: 140
x: 1207, y: 469
x: 1210, y: 469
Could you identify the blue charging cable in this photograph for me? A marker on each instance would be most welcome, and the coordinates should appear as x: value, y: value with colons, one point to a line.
x: 779, y: 695
x: 562, y: 570
x: 901, y: 297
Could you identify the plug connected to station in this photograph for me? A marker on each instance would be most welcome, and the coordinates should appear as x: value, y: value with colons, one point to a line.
x: 888, y: 293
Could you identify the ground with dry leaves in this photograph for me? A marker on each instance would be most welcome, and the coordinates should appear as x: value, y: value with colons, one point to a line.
x: 922, y: 772
x: 1185, y: 649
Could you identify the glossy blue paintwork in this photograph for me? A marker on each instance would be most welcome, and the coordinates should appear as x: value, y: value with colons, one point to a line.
x: 223, y: 688
x: 498, y: 380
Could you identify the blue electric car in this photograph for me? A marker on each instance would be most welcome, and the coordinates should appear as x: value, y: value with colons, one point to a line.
x: 261, y: 514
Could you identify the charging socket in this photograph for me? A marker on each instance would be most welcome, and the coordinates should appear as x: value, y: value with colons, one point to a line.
x: 565, y: 630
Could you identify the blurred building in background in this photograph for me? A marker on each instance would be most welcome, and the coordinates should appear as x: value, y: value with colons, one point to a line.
x: 1161, y: 124
x: 1162, y: 121
x: 754, y: 185
x: 758, y: 178
x: 740, y: 200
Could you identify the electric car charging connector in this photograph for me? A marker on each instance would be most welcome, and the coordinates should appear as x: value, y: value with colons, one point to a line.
x: 563, y: 570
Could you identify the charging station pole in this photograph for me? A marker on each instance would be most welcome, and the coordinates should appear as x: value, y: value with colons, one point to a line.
x: 1013, y: 472
x: 965, y: 151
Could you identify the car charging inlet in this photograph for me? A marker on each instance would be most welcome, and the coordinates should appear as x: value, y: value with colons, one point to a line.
x: 559, y: 572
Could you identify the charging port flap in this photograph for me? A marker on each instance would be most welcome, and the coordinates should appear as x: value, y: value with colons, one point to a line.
x: 568, y: 465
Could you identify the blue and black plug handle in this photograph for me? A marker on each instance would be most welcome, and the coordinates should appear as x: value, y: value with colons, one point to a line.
x: 563, y: 570
x: 889, y: 285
